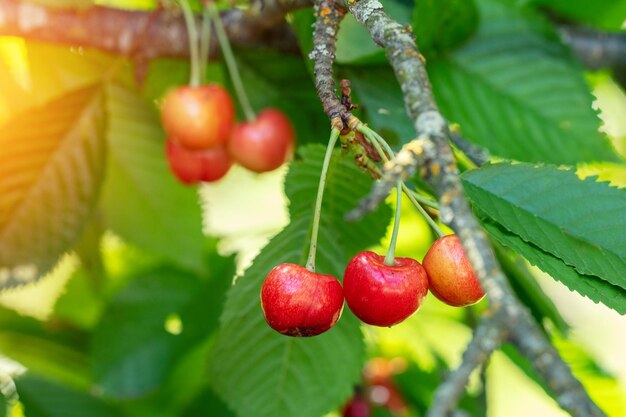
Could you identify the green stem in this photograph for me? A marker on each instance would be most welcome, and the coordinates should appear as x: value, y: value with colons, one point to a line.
x: 433, y: 224
x: 378, y: 141
x: 205, y: 40
x: 390, y: 259
x: 231, y: 64
x: 425, y: 200
x: 192, y: 33
x: 310, y: 263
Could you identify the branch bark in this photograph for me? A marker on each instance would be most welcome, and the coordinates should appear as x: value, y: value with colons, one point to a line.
x: 595, y: 49
x: 161, y: 33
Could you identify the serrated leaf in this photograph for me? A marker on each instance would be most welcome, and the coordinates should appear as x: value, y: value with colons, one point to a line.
x: 528, y: 290
x: 52, y: 162
x: 594, y: 288
x: 36, y: 72
x: 515, y: 90
x: 578, y: 221
x: 262, y: 373
x: 441, y: 25
x: 141, y: 199
x: 607, y: 14
x: 45, y: 398
x: 154, y: 321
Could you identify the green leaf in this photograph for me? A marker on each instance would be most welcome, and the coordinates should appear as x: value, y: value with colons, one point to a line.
x: 43, y: 349
x: 355, y: 44
x: 262, y: 373
x: 45, y: 398
x: 207, y: 403
x: 154, y: 321
x: 528, y: 290
x: 607, y: 14
x: 52, y: 162
x: 578, y: 221
x: 379, y: 94
x: 594, y: 288
x: 516, y: 91
x: 283, y: 82
x: 441, y: 25
x: 142, y: 201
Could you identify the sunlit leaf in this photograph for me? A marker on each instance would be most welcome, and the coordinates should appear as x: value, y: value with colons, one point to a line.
x: 52, y: 162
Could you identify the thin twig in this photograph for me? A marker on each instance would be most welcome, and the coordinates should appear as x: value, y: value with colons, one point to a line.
x: 328, y: 16
x: 487, y: 338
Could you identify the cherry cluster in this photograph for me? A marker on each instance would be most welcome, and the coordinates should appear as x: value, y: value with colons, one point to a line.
x: 204, y: 140
x: 299, y: 302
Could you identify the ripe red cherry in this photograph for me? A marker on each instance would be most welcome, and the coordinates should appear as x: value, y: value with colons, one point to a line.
x: 357, y: 407
x: 198, y: 117
x: 191, y: 167
x: 298, y: 302
x: 263, y: 144
x: 381, y: 294
x: 450, y: 274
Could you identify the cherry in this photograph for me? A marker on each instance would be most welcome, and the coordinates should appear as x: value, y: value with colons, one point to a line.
x: 450, y: 274
x: 357, y: 407
x: 299, y: 302
x: 381, y: 294
x: 191, y: 167
x: 263, y: 144
x: 198, y: 117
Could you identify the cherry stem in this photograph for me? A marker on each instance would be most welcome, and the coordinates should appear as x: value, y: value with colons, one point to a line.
x: 390, y: 259
x: 192, y: 32
x: 231, y: 64
x: 310, y: 263
x: 376, y: 140
x: 205, y: 40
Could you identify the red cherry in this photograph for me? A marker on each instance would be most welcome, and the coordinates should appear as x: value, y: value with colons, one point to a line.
x: 298, y: 302
x: 198, y: 117
x: 263, y: 144
x: 357, y: 407
x: 381, y: 294
x: 450, y: 274
x: 191, y: 167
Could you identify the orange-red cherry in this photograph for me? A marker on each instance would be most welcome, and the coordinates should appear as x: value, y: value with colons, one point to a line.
x: 191, y: 167
x: 450, y: 274
x: 198, y: 117
x: 262, y: 144
x: 299, y: 302
x: 381, y: 294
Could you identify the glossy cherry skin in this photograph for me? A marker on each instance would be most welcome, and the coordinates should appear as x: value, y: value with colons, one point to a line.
x: 381, y: 294
x: 450, y: 274
x: 298, y: 302
x: 263, y: 144
x: 198, y: 117
x: 191, y: 167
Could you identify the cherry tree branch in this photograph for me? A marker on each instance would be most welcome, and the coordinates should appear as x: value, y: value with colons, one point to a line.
x: 487, y: 338
x: 431, y: 153
x: 595, y: 49
x: 160, y: 33
x: 328, y: 16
